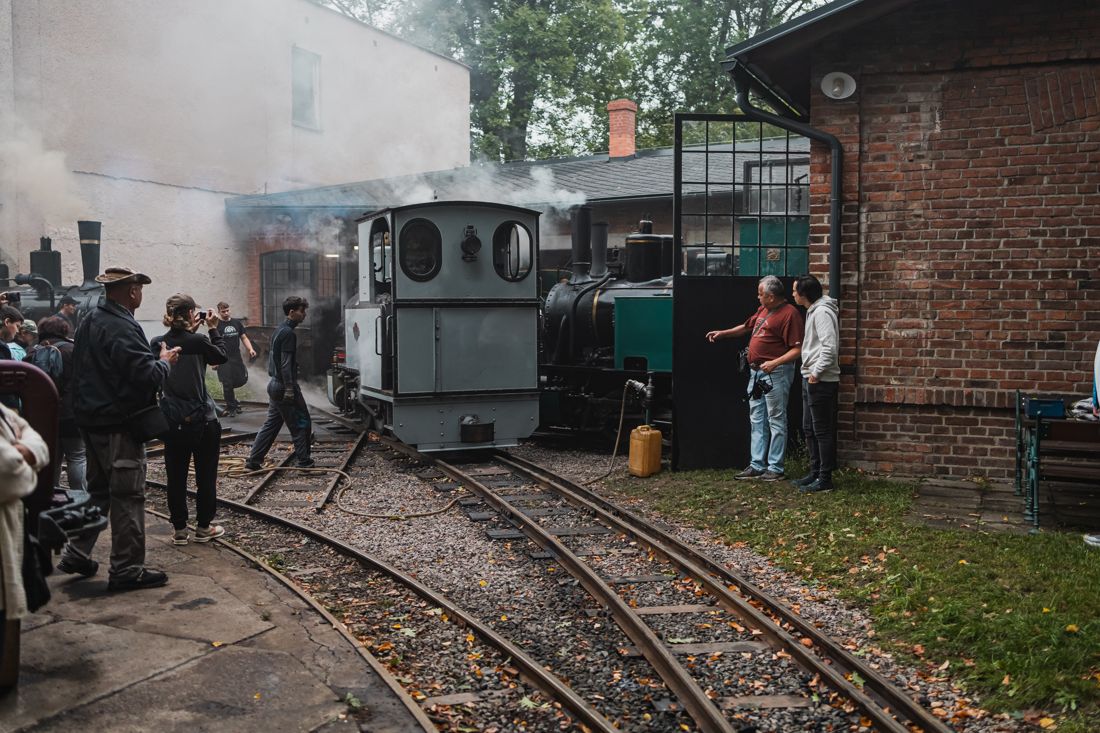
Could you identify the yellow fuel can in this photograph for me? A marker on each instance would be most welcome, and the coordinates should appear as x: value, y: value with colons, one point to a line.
x: 645, y: 451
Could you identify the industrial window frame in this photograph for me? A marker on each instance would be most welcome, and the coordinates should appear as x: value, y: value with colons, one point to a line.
x: 305, y: 88
x: 282, y: 273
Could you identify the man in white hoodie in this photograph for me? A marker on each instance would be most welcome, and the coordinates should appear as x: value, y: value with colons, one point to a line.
x: 820, y: 382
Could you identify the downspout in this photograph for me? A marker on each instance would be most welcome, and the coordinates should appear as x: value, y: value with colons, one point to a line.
x: 741, y: 80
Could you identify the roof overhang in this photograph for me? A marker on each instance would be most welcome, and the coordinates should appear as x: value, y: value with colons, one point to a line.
x: 778, y: 61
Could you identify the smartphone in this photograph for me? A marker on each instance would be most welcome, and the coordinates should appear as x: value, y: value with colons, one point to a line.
x: 14, y: 298
x: 203, y: 315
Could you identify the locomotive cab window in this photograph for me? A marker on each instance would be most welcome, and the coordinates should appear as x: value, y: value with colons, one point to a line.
x: 513, y: 251
x: 420, y: 250
x: 380, y: 254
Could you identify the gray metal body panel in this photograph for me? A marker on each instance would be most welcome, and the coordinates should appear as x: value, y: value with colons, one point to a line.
x: 433, y: 425
x: 463, y: 349
x: 361, y: 351
x: 460, y: 279
x: 465, y: 341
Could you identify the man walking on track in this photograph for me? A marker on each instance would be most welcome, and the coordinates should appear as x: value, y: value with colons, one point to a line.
x: 285, y: 400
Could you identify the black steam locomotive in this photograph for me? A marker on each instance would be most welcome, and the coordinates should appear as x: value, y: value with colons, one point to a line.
x: 39, y: 292
x: 606, y: 329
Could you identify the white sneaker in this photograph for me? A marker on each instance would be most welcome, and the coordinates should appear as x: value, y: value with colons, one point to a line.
x: 1092, y: 540
x: 205, y: 534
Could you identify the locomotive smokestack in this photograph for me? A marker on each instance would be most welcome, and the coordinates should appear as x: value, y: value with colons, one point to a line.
x: 89, y: 252
x: 599, y: 249
x: 582, y: 244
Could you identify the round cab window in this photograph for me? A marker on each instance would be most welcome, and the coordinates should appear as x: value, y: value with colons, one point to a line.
x: 421, y: 250
x: 513, y: 251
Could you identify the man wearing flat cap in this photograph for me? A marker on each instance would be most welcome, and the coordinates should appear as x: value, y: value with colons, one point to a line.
x: 115, y: 379
x: 67, y: 310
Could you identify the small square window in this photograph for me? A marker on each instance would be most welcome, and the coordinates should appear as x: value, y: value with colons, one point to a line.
x: 306, y: 88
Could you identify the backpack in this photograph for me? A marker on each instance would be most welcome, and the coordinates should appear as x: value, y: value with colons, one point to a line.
x: 47, y: 357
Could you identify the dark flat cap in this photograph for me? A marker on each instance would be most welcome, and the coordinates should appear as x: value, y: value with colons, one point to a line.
x: 120, y: 275
x: 68, y: 300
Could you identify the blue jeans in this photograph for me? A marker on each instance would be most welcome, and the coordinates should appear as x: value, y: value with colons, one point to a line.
x: 768, y: 419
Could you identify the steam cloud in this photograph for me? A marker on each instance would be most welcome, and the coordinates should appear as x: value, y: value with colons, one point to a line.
x: 38, y: 177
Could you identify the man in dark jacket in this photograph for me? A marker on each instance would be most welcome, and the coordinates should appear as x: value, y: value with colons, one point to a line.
x: 116, y: 376
x: 285, y: 401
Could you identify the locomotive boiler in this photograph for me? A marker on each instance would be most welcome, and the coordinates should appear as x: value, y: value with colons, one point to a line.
x: 608, y: 325
x: 38, y: 293
x: 441, y: 340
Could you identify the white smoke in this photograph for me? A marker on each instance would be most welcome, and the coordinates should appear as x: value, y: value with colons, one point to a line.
x: 36, y: 177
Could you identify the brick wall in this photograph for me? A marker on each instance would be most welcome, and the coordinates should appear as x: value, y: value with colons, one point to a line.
x: 971, y: 225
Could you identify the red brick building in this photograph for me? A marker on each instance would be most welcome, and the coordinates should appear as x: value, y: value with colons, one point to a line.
x: 970, y: 231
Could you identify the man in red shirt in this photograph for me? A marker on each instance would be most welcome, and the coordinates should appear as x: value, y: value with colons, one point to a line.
x: 775, y: 343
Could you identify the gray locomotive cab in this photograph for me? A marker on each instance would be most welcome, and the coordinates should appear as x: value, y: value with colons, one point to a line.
x: 445, y: 331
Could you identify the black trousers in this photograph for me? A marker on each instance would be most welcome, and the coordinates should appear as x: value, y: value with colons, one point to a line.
x: 819, y: 411
x: 296, y: 417
x: 203, y: 443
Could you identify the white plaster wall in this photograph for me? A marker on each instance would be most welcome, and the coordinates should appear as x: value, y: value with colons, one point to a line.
x: 164, y: 108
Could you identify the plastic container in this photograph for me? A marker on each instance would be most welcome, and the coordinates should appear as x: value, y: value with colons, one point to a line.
x: 645, y: 451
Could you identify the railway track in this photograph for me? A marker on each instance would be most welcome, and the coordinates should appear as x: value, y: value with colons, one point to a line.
x: 886, y: 707
x: 564, y: 519
x: 395, y: 581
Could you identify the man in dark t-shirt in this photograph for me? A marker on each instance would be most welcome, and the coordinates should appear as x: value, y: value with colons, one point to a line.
x: 775, y: 343
x: 233, y: 373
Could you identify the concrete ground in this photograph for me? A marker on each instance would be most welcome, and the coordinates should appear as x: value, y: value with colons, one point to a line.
x: 222, y: 647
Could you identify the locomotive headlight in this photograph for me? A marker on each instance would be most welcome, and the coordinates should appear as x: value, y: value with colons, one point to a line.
x: 471, y: 245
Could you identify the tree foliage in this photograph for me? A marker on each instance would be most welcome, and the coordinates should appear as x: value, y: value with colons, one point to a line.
x: 678, y: 48
x: 543, y: 71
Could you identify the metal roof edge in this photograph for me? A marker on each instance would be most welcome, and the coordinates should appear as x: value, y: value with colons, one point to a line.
x: 792, y: 25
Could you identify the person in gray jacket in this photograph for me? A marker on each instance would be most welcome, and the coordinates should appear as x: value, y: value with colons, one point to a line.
x: 820, y: 382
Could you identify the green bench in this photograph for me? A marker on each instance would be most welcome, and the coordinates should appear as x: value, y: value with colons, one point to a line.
x: 1051, y: 448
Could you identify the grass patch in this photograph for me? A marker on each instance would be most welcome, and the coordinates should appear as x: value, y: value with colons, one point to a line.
x: 214, y: 387
x: 1016, y: 616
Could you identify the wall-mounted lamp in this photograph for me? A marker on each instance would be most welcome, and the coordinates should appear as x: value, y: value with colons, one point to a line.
x: 838, y: 85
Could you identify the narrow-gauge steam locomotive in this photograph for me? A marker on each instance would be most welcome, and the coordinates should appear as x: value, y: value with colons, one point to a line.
x: 441, y: 340
x: 39, y: 291
x: 607, y: 326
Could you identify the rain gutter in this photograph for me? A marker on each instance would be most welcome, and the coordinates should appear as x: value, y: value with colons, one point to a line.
x: 743, y: 79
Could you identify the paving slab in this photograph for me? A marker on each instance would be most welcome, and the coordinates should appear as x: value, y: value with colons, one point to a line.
x: 240, y: 690
x: 224, y: 646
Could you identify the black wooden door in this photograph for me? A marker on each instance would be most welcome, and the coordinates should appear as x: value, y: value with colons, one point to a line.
x: 740, y: 213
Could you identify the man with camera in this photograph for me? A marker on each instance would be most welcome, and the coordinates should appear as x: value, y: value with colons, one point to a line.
x: 285, y: 400
x: 115, y: 379
x: 775, y: 343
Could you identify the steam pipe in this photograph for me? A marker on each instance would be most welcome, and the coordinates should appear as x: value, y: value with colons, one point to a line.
x: 37, y: 282
x: 599, y: 249
x: 573, y: 311
x: 742, y: 82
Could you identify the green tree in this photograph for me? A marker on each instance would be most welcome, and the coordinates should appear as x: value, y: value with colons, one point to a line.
x: 677, y: 51
x: 541, y: 71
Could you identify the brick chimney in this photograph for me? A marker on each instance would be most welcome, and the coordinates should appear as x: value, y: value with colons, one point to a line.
x: 621, y: 115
